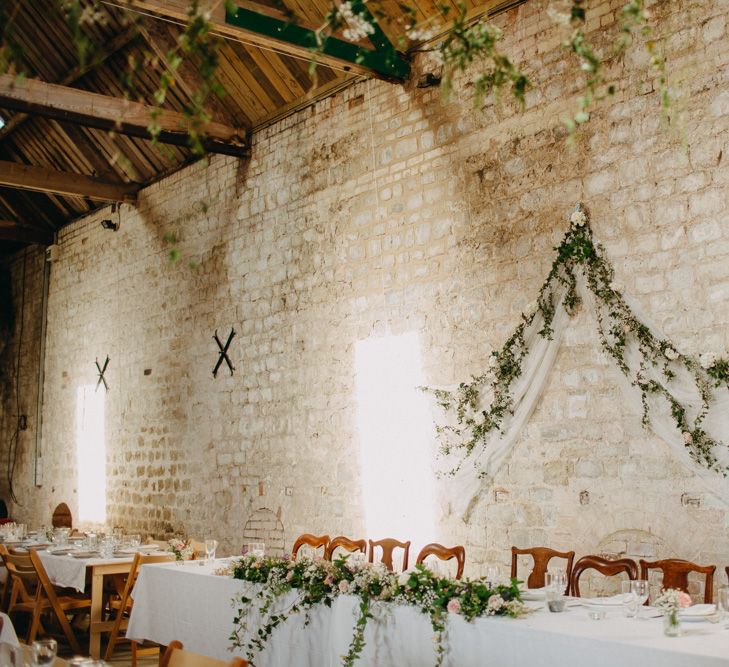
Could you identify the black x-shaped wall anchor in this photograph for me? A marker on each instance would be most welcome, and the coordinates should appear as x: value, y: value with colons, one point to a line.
x: 224, y: 352
x: 101, y: 373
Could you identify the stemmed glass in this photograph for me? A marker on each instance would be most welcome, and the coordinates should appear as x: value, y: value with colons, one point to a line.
x: 723, y: 606
x: 639, y: 589
x: 210, y: 547
x: 44, y: 651
x: 492, y: 575
x: 630, y: 602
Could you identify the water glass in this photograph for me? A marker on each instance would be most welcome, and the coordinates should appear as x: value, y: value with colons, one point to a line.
x: 723, y: 606
x: 639, y: 588
x: 107, y: 548
x: 134, y: 540
x: 492, y: 575
x: 555, y: 585
x: 44, y: 651
x: 629, y: 600
x: 257, y: 549
x: 210, y: 546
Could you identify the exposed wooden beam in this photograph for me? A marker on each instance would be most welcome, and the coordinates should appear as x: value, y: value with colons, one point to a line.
x: 40, y: 179
x: 114, y: 46
x: 12, y: 231
x: 110, y: 113
x: 268, y: 30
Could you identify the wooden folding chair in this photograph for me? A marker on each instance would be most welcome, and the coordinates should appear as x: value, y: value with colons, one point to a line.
x: 175, y: 656
x: 122, y: 607
x: 34, y: 594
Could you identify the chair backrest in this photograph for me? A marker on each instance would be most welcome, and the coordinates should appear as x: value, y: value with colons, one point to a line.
x: 313, y: 541
x: 344, y: 543
x: 609, y: 568
x: 444, y: 553
x: 676, y: 572
x: 62, y: 517
x: 726, y: 569
x: 388, y: 545
x: 541, y: 557
x: 23, y: 574
x: 175, y: 656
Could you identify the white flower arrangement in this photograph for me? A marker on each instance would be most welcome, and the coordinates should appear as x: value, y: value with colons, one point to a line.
x: 181, y: 548
x: 578, y: 218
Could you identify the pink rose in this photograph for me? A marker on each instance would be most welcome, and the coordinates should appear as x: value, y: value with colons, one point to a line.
x: 454, y: 606
x: 684, y: 600
x: 329, y: 580
x: 343, y: 586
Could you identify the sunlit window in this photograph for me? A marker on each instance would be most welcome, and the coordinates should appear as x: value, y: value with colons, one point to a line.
x: 396, y: 440
x: 91, y: 454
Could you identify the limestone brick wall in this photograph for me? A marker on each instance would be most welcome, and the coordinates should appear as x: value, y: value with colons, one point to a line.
x: 381, y: 211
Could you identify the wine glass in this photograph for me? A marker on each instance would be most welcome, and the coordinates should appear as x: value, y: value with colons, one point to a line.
x: 44, y: 651
x: 630, y: 602
x: 210, y: 546
x: 492, y: 575
x: 639, y: 588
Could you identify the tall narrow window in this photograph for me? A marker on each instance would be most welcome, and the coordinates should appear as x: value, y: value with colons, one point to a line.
x: 396, y: 439
x: 91, y: 454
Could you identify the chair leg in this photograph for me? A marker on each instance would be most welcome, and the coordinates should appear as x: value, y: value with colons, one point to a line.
x: 70, y: 637
x: 34, y: 625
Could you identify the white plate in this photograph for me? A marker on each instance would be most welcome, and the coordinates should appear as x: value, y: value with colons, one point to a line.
x: 85, y: 554
x: 149, y: 547
x: 611, y: 602
x: 697, y: 612
x: 533, y: 594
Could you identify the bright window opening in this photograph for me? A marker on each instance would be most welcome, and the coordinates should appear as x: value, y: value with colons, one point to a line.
x: 91, y: 455
x: 396, y: 440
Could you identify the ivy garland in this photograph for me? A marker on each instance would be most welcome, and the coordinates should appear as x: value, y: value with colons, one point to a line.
x: 618, y: 327
x: 321, y: 582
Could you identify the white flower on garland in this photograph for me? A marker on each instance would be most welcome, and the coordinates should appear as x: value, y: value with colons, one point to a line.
x: 359, y: 26
x: 495, y: 603
x: 670, y: 354
x: 707, y: 360
x: 688, y: 438
x: 493, y: 361
x: 416, y: 34
x: 531, y: 309
x: 578, y: 219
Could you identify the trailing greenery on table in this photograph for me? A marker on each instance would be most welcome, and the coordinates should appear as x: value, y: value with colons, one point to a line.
x: 479, y: 407
x: 321, y: 582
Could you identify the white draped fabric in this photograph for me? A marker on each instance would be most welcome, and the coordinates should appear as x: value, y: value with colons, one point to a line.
x: 190, y: 604
x: 462, y: 490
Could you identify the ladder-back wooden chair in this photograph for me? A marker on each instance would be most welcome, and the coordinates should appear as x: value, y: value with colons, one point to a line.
x: 313, y: 541
x: 341, y: 542
x: 175, y: 656
x: 121, y: 608
x: 676, y: 572
x: 388, y: 546
x: 444, y: 553
x: 604, y: 566
x: 541, y: 557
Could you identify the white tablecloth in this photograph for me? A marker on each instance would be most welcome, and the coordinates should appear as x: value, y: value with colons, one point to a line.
x: 70, y: 572
x: 7, y: 634
x: 188, y: 603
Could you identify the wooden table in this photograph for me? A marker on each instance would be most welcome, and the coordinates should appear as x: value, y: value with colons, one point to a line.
x: 97, y: 569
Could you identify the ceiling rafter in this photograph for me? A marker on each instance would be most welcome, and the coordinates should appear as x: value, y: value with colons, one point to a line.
x: 12, y: 231
x: 112, y: 113
x: 40, y: 179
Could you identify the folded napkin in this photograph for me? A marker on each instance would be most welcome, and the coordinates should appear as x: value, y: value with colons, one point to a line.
x: 612, y: 601
x: 698, y: 610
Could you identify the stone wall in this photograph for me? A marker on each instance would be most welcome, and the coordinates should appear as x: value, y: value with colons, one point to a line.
x: 377, y: 212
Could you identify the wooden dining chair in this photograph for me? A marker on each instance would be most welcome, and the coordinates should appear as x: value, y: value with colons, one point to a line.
x: 121, y: 607
x: 34, y: 594
x: 62, y: 517
x: 541, y: 557
x: 176, y: 656
x: 726, y: 569
x: 676, y: 572
x: 388, y: 546
x: 609, y: 568
x: 313, y: 541
x: 345, y: 543
x: 444, y: 553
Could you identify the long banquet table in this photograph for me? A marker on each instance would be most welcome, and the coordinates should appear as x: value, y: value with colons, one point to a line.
x: 188, y: 602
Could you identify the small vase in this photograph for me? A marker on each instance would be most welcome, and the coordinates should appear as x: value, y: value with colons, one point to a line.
x: 671, y: 624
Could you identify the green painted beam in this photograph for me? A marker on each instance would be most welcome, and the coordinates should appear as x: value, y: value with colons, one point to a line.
x: 378, y: 38
x: 385, y: 63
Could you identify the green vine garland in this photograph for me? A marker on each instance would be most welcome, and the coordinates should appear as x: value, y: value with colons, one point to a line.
x: 321, y: 582
x: 617, y: 325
